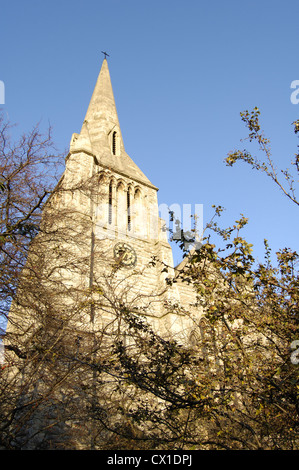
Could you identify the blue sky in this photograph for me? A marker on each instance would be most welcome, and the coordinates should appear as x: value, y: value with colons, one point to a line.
x: 181, y: 73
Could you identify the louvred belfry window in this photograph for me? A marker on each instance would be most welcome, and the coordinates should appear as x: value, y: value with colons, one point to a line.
x: 129, y: 209
x: 114, y: 137
x: 110, y: 204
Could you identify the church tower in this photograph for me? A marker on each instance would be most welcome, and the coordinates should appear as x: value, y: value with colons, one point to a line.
x: 126, y: 230
x: 102, y: 248
x: 98, y: 275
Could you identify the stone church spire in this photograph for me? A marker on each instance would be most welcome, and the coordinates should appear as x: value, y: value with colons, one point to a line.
x: 101, y: 135
x: 101, y: 116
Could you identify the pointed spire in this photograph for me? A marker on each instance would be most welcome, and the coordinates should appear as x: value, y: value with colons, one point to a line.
x: 100, y: 133
x: 102, y: 100
x: 101, y: 117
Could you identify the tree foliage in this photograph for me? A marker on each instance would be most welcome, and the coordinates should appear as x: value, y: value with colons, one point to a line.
x: 266, y: 164
x: 70, y: 381
x: 28, y: 171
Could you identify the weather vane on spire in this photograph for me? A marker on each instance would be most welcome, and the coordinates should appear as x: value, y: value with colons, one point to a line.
x: 105, y: 54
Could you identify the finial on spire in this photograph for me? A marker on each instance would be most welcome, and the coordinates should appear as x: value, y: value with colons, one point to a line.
x: 105, y: 54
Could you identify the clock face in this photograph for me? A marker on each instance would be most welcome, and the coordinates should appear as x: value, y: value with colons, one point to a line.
x: 125, y: 254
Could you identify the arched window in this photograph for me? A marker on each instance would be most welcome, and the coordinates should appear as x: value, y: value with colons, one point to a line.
x: 99, y: 189
x: 121, y: 214
x: 129, y: 209
x: 110, y: 203
x: 114, y: 142
x: 140, y: 214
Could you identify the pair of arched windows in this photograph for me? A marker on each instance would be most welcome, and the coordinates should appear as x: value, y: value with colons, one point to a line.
x: 127, y: 205
x: 121, y: 204
x: 110, y: 204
